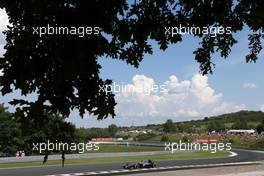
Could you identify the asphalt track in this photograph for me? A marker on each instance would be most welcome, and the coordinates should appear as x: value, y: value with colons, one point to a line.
x: 243, y: 156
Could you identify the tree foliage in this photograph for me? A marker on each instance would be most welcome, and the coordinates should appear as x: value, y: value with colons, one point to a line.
x: 216, y: 126
x: 169, y: 126
x: 240, y: 125
x: 40, y: 128
x: 94, y: 133
x: 260, y: 127
x: 18, y: 132
x: 112, y: 129
x: 64, y: 71
x: 10, y: 134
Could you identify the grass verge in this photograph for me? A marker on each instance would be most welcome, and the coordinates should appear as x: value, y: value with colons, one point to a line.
x: 192, y: 155
x: 104, y: 148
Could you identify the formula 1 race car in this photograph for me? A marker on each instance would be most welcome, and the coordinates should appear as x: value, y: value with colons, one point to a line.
x: 141, y: 164
x: 131, y: 166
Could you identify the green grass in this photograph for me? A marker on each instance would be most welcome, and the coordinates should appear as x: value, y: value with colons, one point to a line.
x: 193, y: 155
x: 122, y: 148
x: 246, y: 142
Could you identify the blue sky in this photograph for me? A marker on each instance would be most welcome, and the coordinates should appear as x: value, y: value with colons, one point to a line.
x: 228, y: 77
x: 235, y: 85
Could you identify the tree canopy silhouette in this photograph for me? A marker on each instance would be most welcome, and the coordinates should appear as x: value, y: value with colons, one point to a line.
x: 64, y: 70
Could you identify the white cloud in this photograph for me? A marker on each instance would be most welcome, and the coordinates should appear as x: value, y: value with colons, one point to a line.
x: 226, y: 107
x: 203, y: 91
x: 3, y: 20
x: 181, y: 100
x: 3, y: 26
x: 262, y: 108
x: 249, y: 85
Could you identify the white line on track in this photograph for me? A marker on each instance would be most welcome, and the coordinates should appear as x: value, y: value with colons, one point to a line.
x: 232, y: 154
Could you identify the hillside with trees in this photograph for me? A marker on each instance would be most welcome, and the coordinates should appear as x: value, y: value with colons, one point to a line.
x: 236, y: 120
